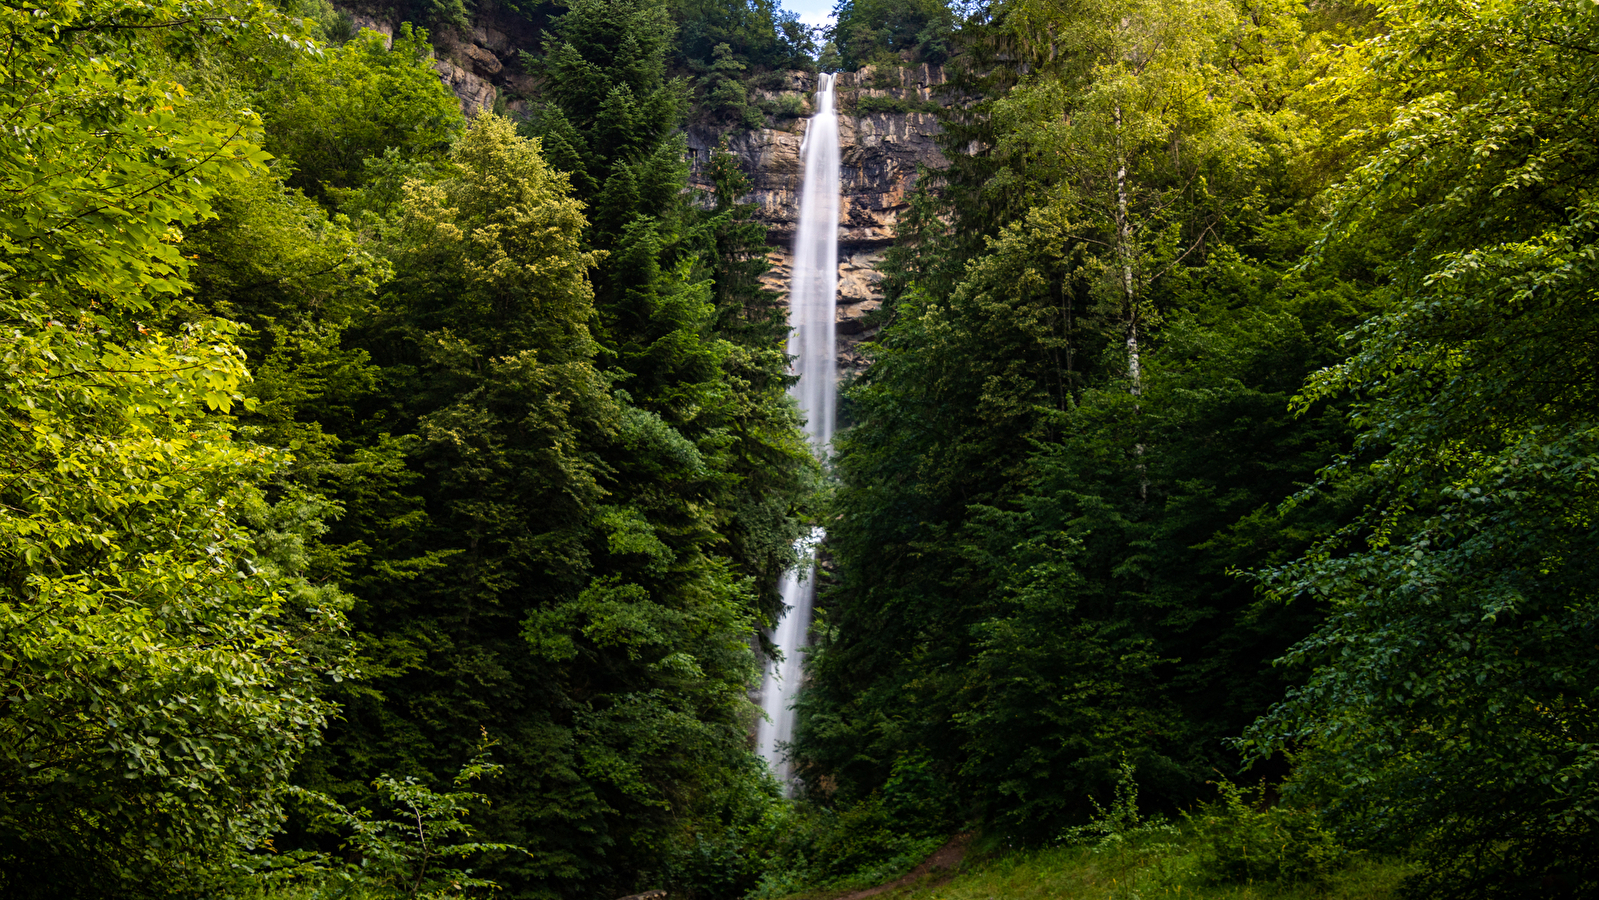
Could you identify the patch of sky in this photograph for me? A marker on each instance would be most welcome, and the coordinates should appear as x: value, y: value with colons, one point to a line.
x: 815, y: 13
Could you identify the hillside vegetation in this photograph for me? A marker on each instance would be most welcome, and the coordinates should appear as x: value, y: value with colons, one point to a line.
x: 392, y: 503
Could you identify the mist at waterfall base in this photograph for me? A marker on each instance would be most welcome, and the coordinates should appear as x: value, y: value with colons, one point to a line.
x: 812, y: 295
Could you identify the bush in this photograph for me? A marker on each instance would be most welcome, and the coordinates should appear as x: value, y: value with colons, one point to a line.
x: 739, y: 824
x: 857, y: 846
x: 1241, y: 842
x: 404, y: 855
x: 1120, y: 826
x: 785, y: 106
x: 919, y: 798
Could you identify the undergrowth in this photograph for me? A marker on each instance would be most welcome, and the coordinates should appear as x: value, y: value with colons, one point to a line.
x: 1236, y: 847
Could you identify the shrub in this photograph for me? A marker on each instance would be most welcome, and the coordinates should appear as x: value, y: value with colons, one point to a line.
x: 784, y: 106
x: 403, y: 855
x: 852, y: 847
x: 1242, y: 842
x: 1121, y: 825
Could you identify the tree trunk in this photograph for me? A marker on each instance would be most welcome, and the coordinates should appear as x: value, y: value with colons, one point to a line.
x: 1124, y: 253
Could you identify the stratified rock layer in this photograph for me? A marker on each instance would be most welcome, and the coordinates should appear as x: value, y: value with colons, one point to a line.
x: 881, y: 152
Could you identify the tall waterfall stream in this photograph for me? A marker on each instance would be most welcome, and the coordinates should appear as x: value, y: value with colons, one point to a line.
x: 812, y: 295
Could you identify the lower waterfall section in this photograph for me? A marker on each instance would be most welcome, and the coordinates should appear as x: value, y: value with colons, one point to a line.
x: 783, y: 676
x: 813, y: 291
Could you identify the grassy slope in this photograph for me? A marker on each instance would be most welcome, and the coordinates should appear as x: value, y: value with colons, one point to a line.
x: 1119, y: 873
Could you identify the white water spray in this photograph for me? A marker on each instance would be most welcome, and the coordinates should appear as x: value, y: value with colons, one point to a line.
x: 812, y: 294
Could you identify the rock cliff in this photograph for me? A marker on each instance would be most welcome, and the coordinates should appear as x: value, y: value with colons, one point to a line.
x: 886, y: 131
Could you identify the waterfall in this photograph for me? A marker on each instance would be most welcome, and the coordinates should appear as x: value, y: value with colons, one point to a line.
x: 812, y: 294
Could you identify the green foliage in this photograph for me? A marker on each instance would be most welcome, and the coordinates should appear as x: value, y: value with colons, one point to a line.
x: 403, y: 855
x: 1229, y: 848
x: 738, y: 823
x: 888, y: 32
x: 486, y: 360
x: 1121, y: 825
x: 331, y: 111
x: 757, y: 33
x: 1075, y: 427
x: 788, y: 106
x: 296, y: 279
x: 557, y: 568
x: 524, y: 397
x: 859, y: 846
x: 163, y: 647
x: 574, y: 566
x: 1082, y: 873
x: 817, y: 848
x: 1453, y: 683
x: 1243, y: 841
x: 606, y: 60
x: 829, y: 60
x: 1236, y: 840
x: 723, y: 93
x: 679, y: 299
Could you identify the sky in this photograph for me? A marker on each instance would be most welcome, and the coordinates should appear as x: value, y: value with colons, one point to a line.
x: 812, y: 12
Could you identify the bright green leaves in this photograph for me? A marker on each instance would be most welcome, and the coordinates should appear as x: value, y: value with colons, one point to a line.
x: 1450, y: 682
x: 333, y: 111
x: 161, y: 661
x: 538, y: 553
x: 500, y: 240
x: 103, y: 170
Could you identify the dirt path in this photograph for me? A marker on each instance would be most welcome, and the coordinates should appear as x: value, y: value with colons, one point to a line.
x: 943, y: 861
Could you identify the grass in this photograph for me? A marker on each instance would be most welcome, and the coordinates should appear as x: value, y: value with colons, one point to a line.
x: 1164, y: 870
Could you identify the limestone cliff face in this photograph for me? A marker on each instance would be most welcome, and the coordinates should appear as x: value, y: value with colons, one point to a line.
x: 879, y: 152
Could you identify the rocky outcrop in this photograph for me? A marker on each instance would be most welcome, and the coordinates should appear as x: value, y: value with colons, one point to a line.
x: 478, y: 65
x: 474, y: 91
x: 361, y: 21
x: 886, y: 131
x: 484, y: 62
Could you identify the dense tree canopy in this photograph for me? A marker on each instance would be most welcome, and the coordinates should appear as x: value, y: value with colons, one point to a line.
x: 162, y: 647
x: 1036, y: 543
x: 868, y: 32
x: 1455, y: 681
x: 1076, y: 434
x: 756, y: 32
x: 370, y: 359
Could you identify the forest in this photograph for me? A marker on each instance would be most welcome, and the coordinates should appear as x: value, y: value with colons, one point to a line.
x: 393, y: 497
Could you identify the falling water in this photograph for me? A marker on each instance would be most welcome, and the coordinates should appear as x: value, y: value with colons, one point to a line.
x: 811, y: 298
